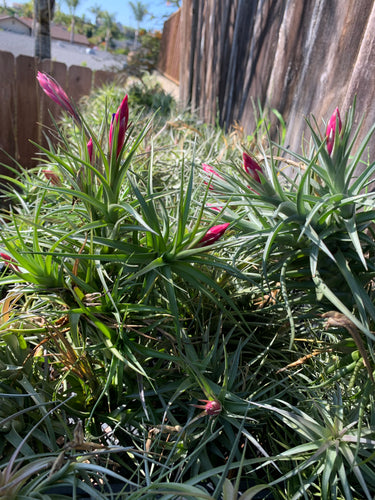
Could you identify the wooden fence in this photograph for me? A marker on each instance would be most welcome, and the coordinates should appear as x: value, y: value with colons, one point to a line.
x: 299, y: 57
x: 170, y: 48
x: 24, y: 108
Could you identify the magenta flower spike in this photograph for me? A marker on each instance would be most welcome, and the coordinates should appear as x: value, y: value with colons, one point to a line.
x: 251, y: 167
x: 90, y: 149
x: 51, y: 176
x: 210, y: 171
x: 120, y: 120
x: 9, y: 262
x: 214, y: 207
x: 56, y: 93
x: 213, y: 234
x: 331, y: 129
x: 211, y: 408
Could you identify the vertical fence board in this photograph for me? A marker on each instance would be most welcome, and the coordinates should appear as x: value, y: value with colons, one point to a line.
x: 25, y: 110
x: 102, y: 78
x: 27, y: 106
x: 7, y: 115
x: 297, y: 57
x: 169, y: 56
x: 79, y: 82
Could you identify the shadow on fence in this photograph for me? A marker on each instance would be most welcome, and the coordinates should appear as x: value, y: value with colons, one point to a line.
x: 24, y: 108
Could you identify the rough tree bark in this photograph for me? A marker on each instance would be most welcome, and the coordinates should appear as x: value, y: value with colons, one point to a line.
x: 43, y: 12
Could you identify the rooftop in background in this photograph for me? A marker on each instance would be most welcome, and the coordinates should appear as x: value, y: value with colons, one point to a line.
x: 24, y: 26
x: 65, y: 52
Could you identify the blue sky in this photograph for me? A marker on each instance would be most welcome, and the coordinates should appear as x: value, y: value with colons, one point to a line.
x: 123, y: 12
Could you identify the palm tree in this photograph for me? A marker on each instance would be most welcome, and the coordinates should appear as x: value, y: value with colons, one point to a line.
x: 140, y: 11
x: 43, y: 14
x: 72, y: 5
x: 109, y: 22
x: 27, y: 9
x: 97, y: 11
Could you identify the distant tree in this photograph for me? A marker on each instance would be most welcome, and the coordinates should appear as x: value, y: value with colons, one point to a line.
x: 43, y: 14
x: 140, y: 11
x: 26, y: 9
x: 6, y: 10
x: 97, y: 11
x: 72, y: 6
x: 109, y: 24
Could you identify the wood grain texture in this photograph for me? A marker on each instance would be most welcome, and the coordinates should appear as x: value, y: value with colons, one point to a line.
x: 26, y: 112
x: 299, y: 57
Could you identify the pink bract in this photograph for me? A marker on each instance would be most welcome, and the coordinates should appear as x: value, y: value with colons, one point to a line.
x: 331, y: 129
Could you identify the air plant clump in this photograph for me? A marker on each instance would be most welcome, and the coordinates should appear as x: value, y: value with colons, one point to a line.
x: 136, y: 286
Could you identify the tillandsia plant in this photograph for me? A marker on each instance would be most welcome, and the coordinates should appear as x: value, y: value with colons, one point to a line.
x: 152, y: 307
x: 112, y: 273
x: 333, y: 451
x: 95, y: 177
x: 309, y: 219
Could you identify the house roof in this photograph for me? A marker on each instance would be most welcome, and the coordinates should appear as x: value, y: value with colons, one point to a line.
x: 61, y: 33
x: 57, y: 32
x: 27, y: 21
x: 20, y: 20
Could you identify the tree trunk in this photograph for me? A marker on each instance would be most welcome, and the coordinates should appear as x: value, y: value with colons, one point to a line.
x: 72, y: 27
x: 107, y: 39
x: 135, y: 43
x: 43, y: 15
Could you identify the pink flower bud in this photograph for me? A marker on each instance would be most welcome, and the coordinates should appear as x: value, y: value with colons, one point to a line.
x: 331, y: 129
x: 57, y: 94
x: 119, y: 124
x: 213, y: 234
x: 211, y: 408
x: 90, y: 149
x: 251, y: 167
x: 210, y: 171
x: 213, y: 207
x: 51, y: 176
x: 9, y: 262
